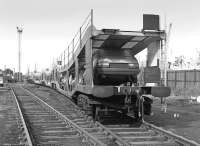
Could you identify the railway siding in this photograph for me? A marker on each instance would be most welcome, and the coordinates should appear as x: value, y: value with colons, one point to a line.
x: 84, y: 122
x: 27, y: 137
x: 146, y: 134
x: 12, y: 132
x: 42, y: 119
x: 74, y: 124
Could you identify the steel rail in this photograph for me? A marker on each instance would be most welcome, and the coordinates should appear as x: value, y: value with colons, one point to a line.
x: 28, y: 138
x: 120, y: 141
x: 177, y: 138
x: 83, y: 132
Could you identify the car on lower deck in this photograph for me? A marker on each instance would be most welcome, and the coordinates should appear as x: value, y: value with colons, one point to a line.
x: 114, y: 67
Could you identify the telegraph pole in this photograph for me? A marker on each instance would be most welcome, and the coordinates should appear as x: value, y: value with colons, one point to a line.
x: 166, y: 53
x: 19, y: 31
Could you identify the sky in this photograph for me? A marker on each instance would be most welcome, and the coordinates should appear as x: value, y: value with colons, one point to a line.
x: 49, y: 26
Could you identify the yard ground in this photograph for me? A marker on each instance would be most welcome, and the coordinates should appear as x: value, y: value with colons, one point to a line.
x: 187, y: 123
x: 9, y: 131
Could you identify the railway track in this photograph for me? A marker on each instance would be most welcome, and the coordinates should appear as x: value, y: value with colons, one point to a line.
x: 46, y: 126
x: 53, y: 109
x: 11, y: 133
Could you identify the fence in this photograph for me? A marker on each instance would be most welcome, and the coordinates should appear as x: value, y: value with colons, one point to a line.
x: 183, y: 78
x: 64, y: 59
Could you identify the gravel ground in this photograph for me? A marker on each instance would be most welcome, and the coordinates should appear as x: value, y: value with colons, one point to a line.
x: 9, y: 132
x: 181, y: 117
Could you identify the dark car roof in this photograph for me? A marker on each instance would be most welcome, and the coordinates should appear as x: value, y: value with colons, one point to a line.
x: 114, y: 53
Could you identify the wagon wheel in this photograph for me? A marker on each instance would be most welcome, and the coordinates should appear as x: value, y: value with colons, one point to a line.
x: 80, y: 101
x: 139, y: 110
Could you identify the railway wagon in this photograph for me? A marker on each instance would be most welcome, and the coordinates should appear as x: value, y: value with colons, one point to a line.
x: 99, y: 70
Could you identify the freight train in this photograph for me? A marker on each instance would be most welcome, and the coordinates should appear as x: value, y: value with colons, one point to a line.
x: 99, y: 71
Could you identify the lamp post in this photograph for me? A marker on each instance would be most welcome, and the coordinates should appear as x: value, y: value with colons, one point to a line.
x: 19, y: 31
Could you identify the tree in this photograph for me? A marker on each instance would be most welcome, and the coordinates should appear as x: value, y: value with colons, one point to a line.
x: 169, y: 65
x: 8, y: 71
x: 179, y: 61
x: 198, y: 57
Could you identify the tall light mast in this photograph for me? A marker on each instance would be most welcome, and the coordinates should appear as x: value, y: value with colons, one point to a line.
x: 166, y: 53
x: 19, y: 31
